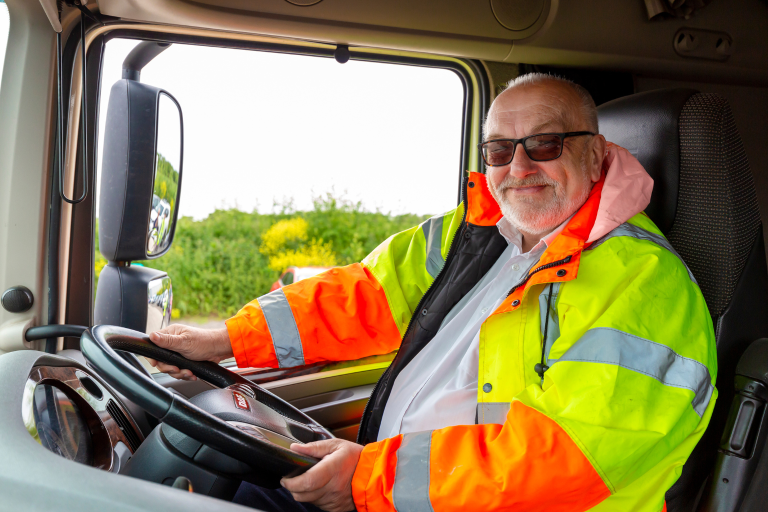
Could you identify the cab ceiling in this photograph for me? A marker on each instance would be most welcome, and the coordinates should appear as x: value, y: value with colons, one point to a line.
x: 603, y: 34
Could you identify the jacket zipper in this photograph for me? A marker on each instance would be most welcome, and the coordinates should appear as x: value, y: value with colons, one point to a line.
x: 543, y: 267
x: 542, y: 367
x: 417, y: 311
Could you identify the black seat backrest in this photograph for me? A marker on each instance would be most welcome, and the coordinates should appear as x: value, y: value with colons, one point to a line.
x: 704, y: 201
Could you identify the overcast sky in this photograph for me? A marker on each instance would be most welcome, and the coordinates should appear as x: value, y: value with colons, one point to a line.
x: 263, y: 127
x: 4, y: 24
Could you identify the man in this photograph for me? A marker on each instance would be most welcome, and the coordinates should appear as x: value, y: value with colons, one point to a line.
x: 556, y: 352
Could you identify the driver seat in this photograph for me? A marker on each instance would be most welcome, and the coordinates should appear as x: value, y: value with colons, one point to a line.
x: 704, y: 202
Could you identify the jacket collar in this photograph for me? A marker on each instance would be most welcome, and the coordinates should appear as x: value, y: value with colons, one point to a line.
x: 623, y: 191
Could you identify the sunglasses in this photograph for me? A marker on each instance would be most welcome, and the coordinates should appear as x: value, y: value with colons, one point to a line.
x: 539, y: 147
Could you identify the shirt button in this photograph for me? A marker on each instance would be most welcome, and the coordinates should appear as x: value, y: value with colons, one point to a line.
x: 561, y: 272
x: 487, y: 387
x: 423, y: 312
x: 515, y: 303
x: 515, y: 267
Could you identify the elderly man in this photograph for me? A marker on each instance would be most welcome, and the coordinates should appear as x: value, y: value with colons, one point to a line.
x: 555, y: 353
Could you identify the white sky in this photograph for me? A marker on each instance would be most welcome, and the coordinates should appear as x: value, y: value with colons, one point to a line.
x: 169, y: 131
x: 262, y: 127
x: 4, y: 26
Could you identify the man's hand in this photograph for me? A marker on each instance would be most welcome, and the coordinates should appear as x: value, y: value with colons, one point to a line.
x: 192, y: 343
x: 328, y: 484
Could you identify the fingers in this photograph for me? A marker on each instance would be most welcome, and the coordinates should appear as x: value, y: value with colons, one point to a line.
x: 328, y: 484
x: 310, y: 483
x: 172, y: 338
x: 311, y: 496
x: 317, y: 449
x: 174, y: 371
x: 318, y: 475
x: 183, y: 375
x: 165, y: 339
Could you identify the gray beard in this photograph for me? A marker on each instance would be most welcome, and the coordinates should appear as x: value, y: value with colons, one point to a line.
x: 543, y: 219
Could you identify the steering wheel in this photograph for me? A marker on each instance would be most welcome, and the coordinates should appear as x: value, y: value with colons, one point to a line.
x: 240, y: 419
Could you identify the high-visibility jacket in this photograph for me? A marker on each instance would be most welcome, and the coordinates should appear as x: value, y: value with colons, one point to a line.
x: 596, y: 374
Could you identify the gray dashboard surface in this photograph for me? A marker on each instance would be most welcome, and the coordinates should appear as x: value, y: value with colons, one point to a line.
x: 32, y: 478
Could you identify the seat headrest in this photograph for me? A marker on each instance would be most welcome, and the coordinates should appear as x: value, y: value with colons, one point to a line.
x: 647, y: 125
x: 704, y: 198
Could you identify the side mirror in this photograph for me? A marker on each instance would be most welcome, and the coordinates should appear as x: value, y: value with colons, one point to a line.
x: 138, y: 207
x: 141, y: 172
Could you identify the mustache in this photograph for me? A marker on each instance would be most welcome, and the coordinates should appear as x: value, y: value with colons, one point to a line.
x: 532, y: 181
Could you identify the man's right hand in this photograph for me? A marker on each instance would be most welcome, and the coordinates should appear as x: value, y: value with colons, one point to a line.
x: 192, y: 343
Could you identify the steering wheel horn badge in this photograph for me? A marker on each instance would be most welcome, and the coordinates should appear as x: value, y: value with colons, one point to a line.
x: 240, y: 401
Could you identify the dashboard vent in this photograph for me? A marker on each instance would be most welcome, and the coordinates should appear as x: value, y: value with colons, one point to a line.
x: 124, y: 425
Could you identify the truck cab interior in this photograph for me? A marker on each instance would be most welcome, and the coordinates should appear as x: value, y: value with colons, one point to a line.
x: 84, y: 425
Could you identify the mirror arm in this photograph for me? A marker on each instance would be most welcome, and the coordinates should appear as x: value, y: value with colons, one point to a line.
x: 140, y: 56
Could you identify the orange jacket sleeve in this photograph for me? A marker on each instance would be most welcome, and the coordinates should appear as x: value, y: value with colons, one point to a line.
x: 339, y: 315
x: 529, y: 463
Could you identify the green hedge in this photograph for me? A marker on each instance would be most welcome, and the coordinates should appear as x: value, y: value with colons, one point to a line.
x: 217, y: 267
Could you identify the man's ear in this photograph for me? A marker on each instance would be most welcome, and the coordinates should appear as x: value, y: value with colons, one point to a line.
x: 596, y: 157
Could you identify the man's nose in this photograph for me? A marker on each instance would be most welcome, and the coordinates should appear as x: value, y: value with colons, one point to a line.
x: 521, y: 165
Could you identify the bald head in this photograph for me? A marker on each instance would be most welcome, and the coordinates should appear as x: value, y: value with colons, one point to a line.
x: 563, y: 103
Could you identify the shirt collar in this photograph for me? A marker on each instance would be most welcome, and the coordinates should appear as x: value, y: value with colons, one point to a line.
x: 513, y: 236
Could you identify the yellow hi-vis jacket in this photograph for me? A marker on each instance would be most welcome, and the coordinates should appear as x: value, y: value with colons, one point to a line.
x: 596, y: 374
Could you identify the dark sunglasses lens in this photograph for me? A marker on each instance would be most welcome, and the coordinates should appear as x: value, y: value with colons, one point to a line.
x: 544, y: 147
x: 498, y: 152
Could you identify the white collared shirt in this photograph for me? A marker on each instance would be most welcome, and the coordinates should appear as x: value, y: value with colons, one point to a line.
x: 438, y: 388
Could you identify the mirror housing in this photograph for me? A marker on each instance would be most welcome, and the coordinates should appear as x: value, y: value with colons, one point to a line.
x: 135, y: 297
x: 129, y: 167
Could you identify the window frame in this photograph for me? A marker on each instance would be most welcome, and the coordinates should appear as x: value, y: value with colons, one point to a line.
x: 80, y: 282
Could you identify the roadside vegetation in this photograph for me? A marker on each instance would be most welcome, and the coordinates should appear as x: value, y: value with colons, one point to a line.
x: 224, y: 261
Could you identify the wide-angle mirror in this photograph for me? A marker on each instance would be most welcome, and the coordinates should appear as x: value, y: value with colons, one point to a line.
x: 159, y: 303
x: 165, y: 190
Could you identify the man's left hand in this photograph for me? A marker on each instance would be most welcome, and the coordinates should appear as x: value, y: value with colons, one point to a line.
x: 328, y: 484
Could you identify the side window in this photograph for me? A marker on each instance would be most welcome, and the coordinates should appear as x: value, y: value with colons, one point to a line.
x: 5, y: 26
x: 294, y: 161
x: 287, y: 278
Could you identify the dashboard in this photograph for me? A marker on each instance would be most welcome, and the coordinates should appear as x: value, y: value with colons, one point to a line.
x: 73, y: 414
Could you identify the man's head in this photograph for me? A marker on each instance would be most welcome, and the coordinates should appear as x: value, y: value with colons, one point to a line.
x: 537, y: 196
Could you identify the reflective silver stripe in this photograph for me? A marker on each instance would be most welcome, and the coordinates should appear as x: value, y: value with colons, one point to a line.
x: 492, y: 412
x: 611, y: 346
x: 282, y: 327
x: 553, y: 329
x: 633, y: 231
x: 433, y: 233
x: 411, y: 490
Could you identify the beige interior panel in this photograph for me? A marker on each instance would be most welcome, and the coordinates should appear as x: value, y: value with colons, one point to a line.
x: 25, y: 138
x: 414, y: 26
x: 586, y: 33
x: 617, y: 35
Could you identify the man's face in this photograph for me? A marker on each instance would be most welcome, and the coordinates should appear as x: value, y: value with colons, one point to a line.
x: 539, y: 196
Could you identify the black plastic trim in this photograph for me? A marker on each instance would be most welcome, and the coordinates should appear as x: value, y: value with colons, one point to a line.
x: 140, y: 56
x: 80, y: 282
x: 42, y: 332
